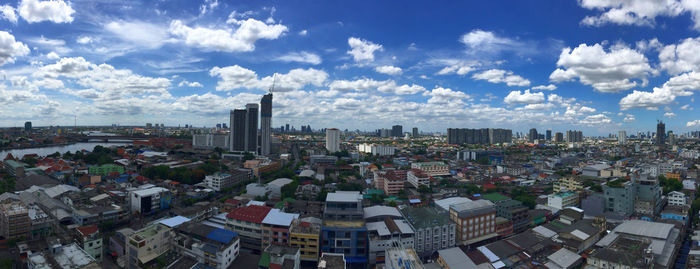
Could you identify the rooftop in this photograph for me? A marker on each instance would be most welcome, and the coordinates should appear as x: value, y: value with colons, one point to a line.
x: 379, y: 210
x: 251, y: 213
x: 456, y: 258
x: 276, y: 217
x: 495, y: 197
x: 422, y: 217
x: 344, y: 196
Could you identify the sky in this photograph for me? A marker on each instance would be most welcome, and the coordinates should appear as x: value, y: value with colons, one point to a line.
x: 600, y: 66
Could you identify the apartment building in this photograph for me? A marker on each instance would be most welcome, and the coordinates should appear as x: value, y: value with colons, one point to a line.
x: 275, y: 228
x: 247, y: 222
x: 90, y: 240
x: 147, y: 244
x: 476, y: 221
x: 567, y: 184
x: 14, y: 220
x: 213, y: 247
x: 432, y: 168
x: 343, y: 229
x: 432, y: 228
x: 417, y: 177
x: 150, y: 200
x: 305, y: 235
x: 562, y: 200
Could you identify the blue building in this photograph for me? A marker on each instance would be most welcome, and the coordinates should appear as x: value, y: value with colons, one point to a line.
x: 676, y: 212
x: 344, y: 229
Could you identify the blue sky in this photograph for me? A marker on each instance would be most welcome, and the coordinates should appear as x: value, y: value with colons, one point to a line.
x: 598, y: 66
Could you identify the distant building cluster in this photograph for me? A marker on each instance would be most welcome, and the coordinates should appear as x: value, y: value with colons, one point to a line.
x: 479, y: 136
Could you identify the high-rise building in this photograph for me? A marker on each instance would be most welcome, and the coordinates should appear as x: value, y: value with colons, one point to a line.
x: 265, y: 123
x: 532, y: 135
x: 415, y: 131
x: 332, y: 140
x: 671, y: 139
x: 244, y: 129
x: 548, y: 137
x: 558, y: 137
x: 286, y: 127
x: 478, y: 136
x: 622, y: 137
x: 574, y: 136
x: 28, y: 126
x: 660, y: 133
x: 396, y: 131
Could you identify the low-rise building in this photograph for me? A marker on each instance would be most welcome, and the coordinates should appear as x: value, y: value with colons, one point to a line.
x: 385, y: 234
x: 637, y: 244
x: 276, y: 256
x: 210, y: 246
x: 432, y: 168
x: 677, y: 198
x: 222, y: 181
x: 567, y: 184
x: 247, y: 222
x: 377, y: 150
x: 402, y: 257
x: 510, y: 209
x: 417, y: 177
x: 305, y: 235
x: 147, y: 244
x: 454, y: 258
x: 105, y: 169
x: 343, y: 229
x: 66, y: 257
x: 432, y: 228
x: 476, y: 221
x: 14, y: 220
x: 89, y: 238
x: 562, y: 200
x: 275, y: 228
x: 150, y: 200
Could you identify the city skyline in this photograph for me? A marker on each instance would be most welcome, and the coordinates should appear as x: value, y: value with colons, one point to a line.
x: 192, y: 62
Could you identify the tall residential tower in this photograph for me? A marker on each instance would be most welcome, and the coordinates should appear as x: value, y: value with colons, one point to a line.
x: 265, y: 123
x: 244, y: 129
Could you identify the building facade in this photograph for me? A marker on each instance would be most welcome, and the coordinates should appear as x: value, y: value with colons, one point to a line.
x: 266, y: 124
x: 432, y: 228
x: 476, y: 221
x: 332, y: 140
x: 432, y: 168
x: 343, y: 229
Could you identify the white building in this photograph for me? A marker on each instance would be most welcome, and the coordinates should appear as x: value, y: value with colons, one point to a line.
x: 562, y: 200
x: 256, y: 189
x: 332, y: 140
x: 622, y: 137
x: 432, y: 168
x: 386, y: 234
x: 219, y: 181
x: 417, y: 177
x: 677, y: 198
x: 276, y: 185
x: 146, y: 201
x: 210, y: 141
x: 377, y: 150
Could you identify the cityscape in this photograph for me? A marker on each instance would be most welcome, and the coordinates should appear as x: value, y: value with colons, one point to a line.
x: 279, y: 135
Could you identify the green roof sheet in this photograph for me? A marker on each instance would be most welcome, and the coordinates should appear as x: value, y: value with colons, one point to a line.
x: 264, y: 260
x: 495, y: 197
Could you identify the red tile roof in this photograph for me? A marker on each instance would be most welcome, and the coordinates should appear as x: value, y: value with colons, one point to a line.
x: 87, y: 230
x: 252, y: 213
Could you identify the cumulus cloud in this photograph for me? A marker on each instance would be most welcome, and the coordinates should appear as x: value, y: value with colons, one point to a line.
x: 670, y: 115
x: 9, y: 48
x: 236, y: 77
x: 629, y: 118
x: 365, y: 84
x: 8, y: 12
x: 84, y: 40
x: 52, y: 56
x: 303, y: 32
x: 479, y: 43
x: 388, y: 69
x: 695, y: 123
x: 300, y: 57
x: 190, y: 84
x: 502, y: 76
x: 140, y: 33
x: 606, y: 71
x: 681, y: 57
x: 598, y: 119
x: 241, y: 39
x: 681, y: 85
x: 549, y: 87
x: 363, y: 50
x: 440, y: 95
x: 638, y: 12
x: 459, y: 69
x: 526, y: 97
x: 57, y: 11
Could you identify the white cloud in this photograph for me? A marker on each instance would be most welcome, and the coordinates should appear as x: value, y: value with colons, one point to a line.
x: 362, y: 50
x: 190, y: 84
x: 606, y: 71
x: 236, y: 77
x: 549, y: 87
x: 242, y: 39
x: 479, y: 43
x: 8, y: 13
x: 9, y: 48
x: 459, y: 69
x: 365, y: 84
x: 638, y: 12
x: 440, y: 95
x: 388, y: 69
x: 300, y: 57
x: 526, y: 97
x: 405, y: 89
x: 598, y: 119
x: 682, y: 57
x: 208, y: 6
x: 57, y: 11
x: 629, y: 118
x: 502, y: 76
x: 638, y: 99
x: 52, y: 56
x: 670, y: 115
x: 303, y: 32
x: 686, y: 107
x: 695, y: 123
x: 84, y: 40
x: 139, y: 33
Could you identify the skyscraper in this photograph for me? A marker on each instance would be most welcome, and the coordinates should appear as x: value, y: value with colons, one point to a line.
x: 660, y: 133
x: 558, y: 137
x: 622, y: 137
x: 415, y: 131
x: 396, y: 130
x: 28, y: 126
x: 244, y: 129
x: 286, y: 127
x: 548, y: 135
x: 332, y: 140
x: 265, y: 123
x: 532, y: 135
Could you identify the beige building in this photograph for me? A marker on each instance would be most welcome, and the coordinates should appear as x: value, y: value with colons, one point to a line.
x: 14, y: 220
x: 432, y: 168
x: 305, y: 235
x: 147, y: 244
x: 567, y: 184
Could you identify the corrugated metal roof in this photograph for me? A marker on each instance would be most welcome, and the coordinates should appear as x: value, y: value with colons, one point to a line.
x: 174, y: 221
x: 645, y: 228
x: 275, y: 217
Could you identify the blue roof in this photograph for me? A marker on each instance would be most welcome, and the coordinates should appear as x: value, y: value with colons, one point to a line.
x: 121, y: 179
x: 221, y: 235
x: 414, y: 201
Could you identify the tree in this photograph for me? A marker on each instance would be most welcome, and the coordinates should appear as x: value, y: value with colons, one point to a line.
x: 248, y: 156
x: 289, y: 190
x: 321, y: 196
x: 424, y: 189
